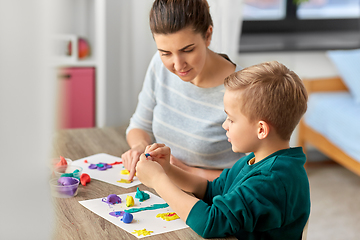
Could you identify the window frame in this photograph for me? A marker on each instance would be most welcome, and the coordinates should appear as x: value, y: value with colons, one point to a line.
x: 292, y: 25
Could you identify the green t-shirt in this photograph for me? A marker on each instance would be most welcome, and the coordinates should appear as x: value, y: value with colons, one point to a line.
x: 267, y: 200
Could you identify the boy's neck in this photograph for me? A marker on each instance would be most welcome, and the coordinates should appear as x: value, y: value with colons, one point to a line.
x: 268, y: 147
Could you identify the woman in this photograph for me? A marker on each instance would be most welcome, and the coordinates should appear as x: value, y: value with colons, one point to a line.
x: 181, y: 103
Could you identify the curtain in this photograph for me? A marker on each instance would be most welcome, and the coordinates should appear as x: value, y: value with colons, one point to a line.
x: 227, y: 20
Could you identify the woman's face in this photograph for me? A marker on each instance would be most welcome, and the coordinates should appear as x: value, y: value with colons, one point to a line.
x: 184, y: 52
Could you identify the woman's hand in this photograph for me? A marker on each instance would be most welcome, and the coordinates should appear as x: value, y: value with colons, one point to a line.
x: 130, y: 158
x: 149, y: 172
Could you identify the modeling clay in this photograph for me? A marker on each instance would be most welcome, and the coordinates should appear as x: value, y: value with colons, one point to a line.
x: 70, y: 185
x: 62, y: 162
x: 124, y: 181
x: 147, y: 155
x: 117, y: 213
x: 66, y: 181
x: 84, y: 179
x: 168, y: 216
x: 151, y: 207
x: 142, y: 196
x: 100, y: 166
x: 112, y: 199
x: 75, y: 174
x: 114, y: 163
x: 85, y: 161
x: 127, y: 218
x: 67, y: 175
x: 129, y: 201
x: 142, y: 232
x: 125, y: 172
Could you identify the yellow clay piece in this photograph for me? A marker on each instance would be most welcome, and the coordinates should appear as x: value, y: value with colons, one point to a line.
x: 142, y: 232
x: 168, y: 216
x: 125, y: 172
x: 124, y: 181
x: 129, y: 201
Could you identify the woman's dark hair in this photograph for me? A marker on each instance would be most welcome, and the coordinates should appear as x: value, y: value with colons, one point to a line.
x: 170, y: 16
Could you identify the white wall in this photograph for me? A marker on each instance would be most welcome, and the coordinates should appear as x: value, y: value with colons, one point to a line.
x: 129, y: 49
x: 27, y: 100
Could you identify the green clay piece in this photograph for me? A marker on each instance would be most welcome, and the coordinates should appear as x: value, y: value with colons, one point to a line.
x: 76, y: 174
x: 142, y: 196
x: 66, y: 175
x: 100, y: 165
x: 151, y: 207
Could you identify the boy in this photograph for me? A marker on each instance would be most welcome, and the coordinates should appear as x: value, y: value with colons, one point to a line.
x: 265, y: 195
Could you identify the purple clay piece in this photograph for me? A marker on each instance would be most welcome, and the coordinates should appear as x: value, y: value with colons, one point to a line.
x: 127, y: 218
x: 92, y: 166
x: 66, y: 181
x: 69, y: 185
x: 112, y: 199
x: 117, y: 213
x: 102, y: 168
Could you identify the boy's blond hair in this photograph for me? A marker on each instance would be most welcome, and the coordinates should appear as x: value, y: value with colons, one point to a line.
x: 272, y: 93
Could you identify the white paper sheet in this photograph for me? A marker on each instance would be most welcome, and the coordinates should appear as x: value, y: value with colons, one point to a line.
x: 142, y: 220
x: 110, y: 175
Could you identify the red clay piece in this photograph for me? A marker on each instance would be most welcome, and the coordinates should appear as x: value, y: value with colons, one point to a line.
x: 62, y: 162
x: 84, y: 179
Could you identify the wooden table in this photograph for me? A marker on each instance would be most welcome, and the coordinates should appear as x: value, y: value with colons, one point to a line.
x: 73, y: 221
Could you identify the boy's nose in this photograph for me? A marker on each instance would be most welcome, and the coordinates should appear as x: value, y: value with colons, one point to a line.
x: 224, y: 126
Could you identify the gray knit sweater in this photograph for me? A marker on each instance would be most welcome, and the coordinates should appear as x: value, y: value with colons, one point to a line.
x: 185, y: 117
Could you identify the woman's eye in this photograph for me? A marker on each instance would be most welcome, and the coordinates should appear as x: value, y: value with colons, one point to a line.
x: 231, y: 121
x: 189, y: 50
x: 165, y: 53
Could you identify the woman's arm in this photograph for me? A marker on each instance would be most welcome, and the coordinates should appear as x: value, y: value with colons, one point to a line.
x: 209, y: 174
x: 137, y: 139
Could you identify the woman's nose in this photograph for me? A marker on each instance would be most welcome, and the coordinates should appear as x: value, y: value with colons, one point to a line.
x: 179, y: 63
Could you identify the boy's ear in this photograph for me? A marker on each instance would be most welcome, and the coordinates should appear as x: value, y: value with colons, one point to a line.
x: 263, y: 129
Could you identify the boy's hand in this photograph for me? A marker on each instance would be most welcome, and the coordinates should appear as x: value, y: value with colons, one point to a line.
x: 149, y: 171
x: 159, y: 153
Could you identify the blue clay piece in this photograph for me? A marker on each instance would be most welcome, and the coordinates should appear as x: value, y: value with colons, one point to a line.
x: 127, y: 218
x: 112, y: 199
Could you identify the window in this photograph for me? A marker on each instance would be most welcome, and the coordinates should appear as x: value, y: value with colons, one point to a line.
x: 280, y: 25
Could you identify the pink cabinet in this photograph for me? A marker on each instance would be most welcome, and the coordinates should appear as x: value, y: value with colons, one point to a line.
x: 77, y: 97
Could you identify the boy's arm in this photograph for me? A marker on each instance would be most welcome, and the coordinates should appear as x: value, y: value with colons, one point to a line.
x: 187, y: 181
x: 153, y: 175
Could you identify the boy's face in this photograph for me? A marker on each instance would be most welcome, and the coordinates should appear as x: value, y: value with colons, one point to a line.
x: 241, y: 133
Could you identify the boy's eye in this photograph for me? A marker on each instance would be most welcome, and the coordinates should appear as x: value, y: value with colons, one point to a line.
x: 231, y: 121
